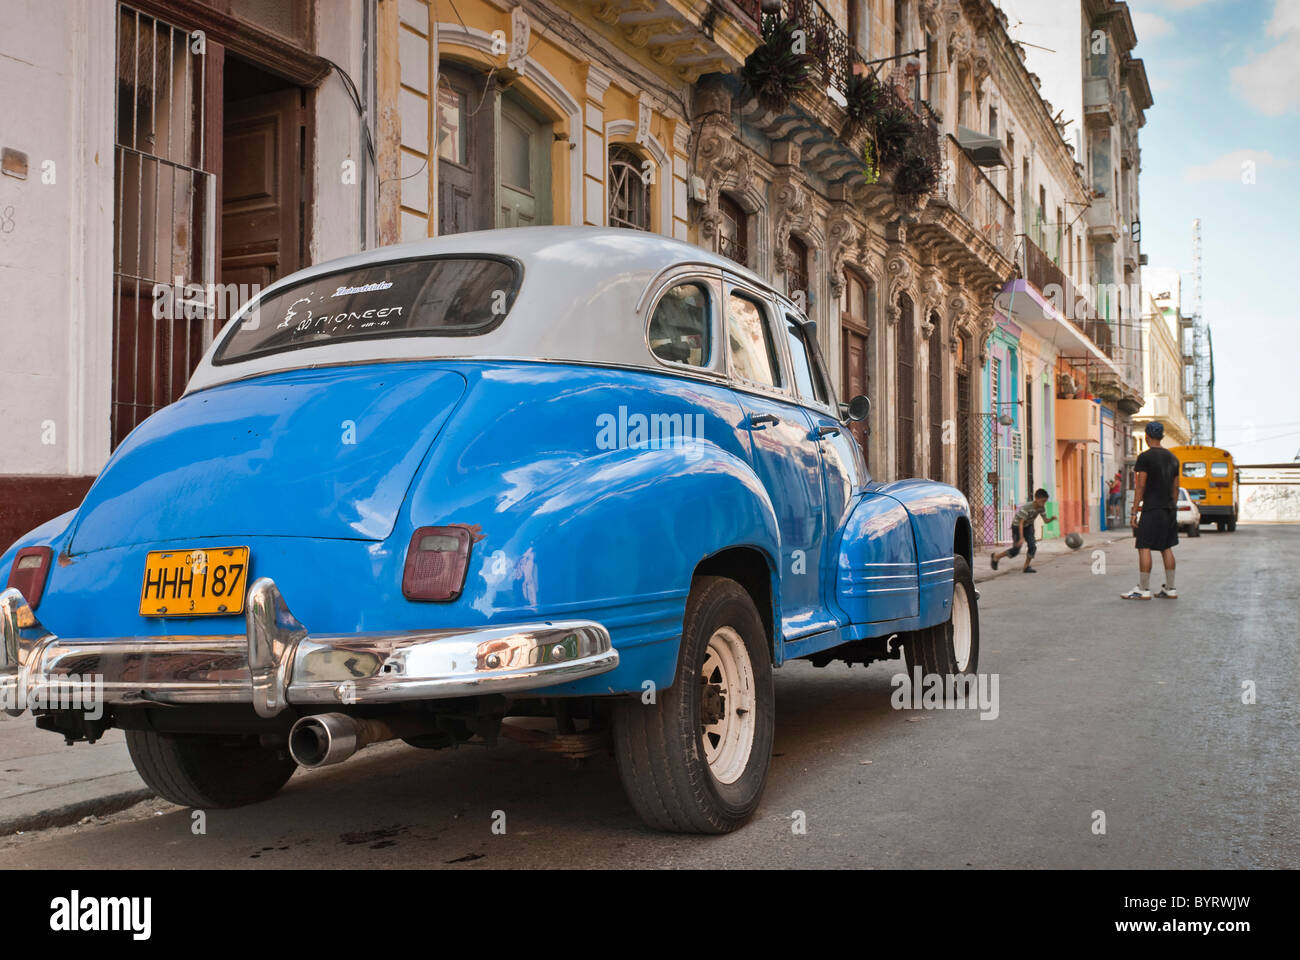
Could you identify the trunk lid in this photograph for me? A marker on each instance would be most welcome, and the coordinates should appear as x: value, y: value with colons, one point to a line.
x: 324, y: 453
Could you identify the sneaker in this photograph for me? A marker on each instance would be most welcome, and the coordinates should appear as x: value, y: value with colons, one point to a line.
x: 1029, y: 570
x: 1167, y: 593
x: 1137, y: 593
x: 993, y: 559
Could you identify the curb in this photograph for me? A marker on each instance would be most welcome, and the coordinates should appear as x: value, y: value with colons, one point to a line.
x: 61, y: 812
x: 1040, y: 558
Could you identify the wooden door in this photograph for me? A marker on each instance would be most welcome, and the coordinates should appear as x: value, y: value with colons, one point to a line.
x: 261, y: 183
x: 854, y: 376
x: 465, y: 151
x: 523, y: 167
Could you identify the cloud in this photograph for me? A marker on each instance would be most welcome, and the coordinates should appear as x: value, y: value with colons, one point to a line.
x: 1231, y: 166
x: 1184, y: 4
x: 1271, y: 81
x: 1149, y: 26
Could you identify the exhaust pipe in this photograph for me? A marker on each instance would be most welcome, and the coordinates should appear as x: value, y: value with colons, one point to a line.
x: 327, y: 738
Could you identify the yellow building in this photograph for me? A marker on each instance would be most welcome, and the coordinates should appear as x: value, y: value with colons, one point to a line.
x: 540, y: 113
x: 1162, y: 366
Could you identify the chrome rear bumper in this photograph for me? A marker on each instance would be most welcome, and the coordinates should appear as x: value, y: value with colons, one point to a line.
x: 278, y: 662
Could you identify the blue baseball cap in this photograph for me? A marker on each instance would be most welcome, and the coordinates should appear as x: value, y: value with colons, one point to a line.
x: 1155, y: 429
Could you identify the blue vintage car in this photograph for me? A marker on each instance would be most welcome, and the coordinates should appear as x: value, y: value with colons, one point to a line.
x: 590, y: 474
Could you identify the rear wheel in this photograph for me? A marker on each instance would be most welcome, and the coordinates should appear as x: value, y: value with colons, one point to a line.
x: 1194, y: 530
x: 208, y: 771
x: 952, y: 647
x: 1232, y: 524
x: 696, y: 759
x: 1221, y: 525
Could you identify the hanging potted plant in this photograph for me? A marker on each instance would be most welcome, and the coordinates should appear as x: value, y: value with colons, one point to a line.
x: 916, y: 176
x: 864, y: 95
x: 774, y: 74
x: 892, y: 130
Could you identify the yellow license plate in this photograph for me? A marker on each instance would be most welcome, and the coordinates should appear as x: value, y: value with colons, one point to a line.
x: 194, y: 583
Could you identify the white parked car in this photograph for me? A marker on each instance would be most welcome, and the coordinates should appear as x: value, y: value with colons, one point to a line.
x: 1189, y: 514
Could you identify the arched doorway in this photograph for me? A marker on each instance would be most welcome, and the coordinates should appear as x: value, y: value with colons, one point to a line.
x: 494, y: 154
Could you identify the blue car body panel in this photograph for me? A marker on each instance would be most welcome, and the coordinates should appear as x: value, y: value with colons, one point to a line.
x: 310, y: 453
x: 592, y: 493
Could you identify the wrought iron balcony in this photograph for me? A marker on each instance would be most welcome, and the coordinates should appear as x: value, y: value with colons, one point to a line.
x: 827, y: 43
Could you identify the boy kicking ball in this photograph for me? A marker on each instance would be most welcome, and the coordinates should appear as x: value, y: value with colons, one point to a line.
x: 1022, y: 530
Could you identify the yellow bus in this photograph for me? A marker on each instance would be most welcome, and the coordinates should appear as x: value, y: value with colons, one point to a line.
x: 1210, y: 478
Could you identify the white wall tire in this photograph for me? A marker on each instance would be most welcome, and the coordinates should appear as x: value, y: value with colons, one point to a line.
x: 696, y: 760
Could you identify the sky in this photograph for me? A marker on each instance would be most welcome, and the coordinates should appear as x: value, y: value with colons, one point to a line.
x: 1225, y: 77
x: 1222, y: 143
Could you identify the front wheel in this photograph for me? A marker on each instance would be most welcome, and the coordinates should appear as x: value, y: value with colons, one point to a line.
x: 952, y: 647
x: 695, y: 760
x: 208, y: 771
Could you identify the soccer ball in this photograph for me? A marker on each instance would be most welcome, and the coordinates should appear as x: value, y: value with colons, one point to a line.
x: 1073, y: 541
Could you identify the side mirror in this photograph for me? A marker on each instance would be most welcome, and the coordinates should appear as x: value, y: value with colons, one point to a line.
x: 856, y: 409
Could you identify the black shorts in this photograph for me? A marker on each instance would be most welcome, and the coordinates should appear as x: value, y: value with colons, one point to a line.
x: 1157, y: 529
x: 1029, y: 543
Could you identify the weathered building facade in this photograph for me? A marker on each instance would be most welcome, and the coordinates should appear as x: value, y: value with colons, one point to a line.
x: 253, y: 137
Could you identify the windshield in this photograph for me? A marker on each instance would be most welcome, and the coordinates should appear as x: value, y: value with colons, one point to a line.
x: 442, y: 296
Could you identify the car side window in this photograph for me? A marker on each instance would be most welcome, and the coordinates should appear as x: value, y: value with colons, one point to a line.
x: 753, y: 354
x: 806, y: 380
x: 680, y: 328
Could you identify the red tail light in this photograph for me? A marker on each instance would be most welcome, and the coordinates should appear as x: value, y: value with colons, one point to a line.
x: 436, y: 561
x: 31, y: 567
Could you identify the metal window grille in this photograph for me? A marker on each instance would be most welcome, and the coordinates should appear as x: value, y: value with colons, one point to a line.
x: 165, y: 223
x: 732, y: 227
x: 629, y: 194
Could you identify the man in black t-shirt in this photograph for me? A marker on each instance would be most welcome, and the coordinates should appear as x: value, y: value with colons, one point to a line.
x: 1156, y: 494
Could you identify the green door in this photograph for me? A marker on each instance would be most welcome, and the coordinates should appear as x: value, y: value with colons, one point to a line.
x: 523, y: 166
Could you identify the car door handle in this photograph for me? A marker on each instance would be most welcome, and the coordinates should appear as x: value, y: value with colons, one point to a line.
x: 826, y: 430
x: 763, y: 419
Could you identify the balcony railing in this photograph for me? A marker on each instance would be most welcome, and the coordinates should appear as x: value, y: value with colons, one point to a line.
x: 1056, y: 286
x: 827, y: 43
x: 973, y: 195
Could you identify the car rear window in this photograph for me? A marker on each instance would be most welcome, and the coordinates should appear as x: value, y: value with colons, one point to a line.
x: 437, y: 296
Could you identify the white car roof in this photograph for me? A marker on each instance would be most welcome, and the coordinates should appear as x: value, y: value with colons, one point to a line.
x: 578, y: 284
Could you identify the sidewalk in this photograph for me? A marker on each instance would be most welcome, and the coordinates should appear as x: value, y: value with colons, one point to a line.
x: 1048, y: 550
x: 45, y: 783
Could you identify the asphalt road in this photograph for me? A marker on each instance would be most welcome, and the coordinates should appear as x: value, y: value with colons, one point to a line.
x: 1132, y: 709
